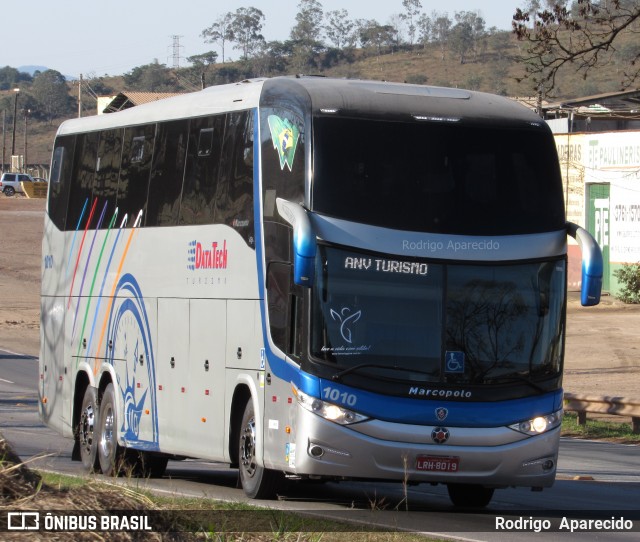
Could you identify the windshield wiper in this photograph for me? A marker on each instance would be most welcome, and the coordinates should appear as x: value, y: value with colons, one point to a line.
x: 336, y: 377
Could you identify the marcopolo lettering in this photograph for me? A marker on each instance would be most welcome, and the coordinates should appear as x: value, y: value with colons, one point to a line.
x: 440, y: 393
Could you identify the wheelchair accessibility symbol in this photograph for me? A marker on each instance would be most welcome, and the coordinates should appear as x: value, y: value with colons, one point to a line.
x: 454, y: 361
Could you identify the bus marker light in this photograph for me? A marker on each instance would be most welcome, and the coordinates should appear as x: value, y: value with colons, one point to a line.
x: 287, y: 429
x: 159, y: 387
x: 203, y: 420
x: 44, y: 400
x: 146, y: 411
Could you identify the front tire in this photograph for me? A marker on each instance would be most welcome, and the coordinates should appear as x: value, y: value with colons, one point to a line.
x: 110, y: 453
x: 257, y: 482
x: 470, y: 495
x: 87, y: 430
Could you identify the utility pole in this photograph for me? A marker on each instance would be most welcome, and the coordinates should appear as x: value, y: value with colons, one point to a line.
x: 80, y: 97
x: 15, y: 118
x: 4, y: 123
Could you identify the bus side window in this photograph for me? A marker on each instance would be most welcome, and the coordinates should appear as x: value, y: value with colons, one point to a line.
x: 201, y: 172
x: 84, y: 172
x: 167, y: 172
x: 107, y: 172
x: 278, y: 289
x: 234, y: 198
x: 135, y: 171
x: 60, y: 180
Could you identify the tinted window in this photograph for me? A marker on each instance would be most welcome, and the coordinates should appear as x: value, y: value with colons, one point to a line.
x: 283, y: 174
x: 108, y: 169
x: 440, y: 178
x: 134, y: 174
x: 167, y: 171
x: 60, y: 179
x: 201, y: 174
x: 234, y: 199
x: 84, y: 172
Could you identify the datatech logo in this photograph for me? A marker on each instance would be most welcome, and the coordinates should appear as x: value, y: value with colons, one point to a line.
x: 212, y: 256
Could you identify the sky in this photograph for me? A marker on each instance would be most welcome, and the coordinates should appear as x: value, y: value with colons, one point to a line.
x: 100, y: 38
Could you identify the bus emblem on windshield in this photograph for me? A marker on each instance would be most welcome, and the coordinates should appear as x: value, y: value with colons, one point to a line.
x: 441, y: 413
x: 346, y: 320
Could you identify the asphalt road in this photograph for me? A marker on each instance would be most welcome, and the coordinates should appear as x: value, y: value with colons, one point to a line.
x: 614, y: 490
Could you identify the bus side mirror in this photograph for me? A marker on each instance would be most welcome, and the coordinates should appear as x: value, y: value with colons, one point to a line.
x: 304, y: 241
x: 592, y: 266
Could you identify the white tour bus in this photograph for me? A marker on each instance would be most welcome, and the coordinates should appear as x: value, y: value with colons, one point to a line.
x: 311, y: 278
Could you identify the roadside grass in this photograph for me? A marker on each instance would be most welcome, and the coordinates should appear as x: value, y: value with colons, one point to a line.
x: 197, y: 518
x: 595, y: 429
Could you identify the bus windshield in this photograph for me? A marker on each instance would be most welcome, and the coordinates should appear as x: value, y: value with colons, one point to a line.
x: 423, y: 321
x: 438, y: 177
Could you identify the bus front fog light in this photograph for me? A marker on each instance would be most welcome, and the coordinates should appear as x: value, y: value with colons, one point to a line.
x: 316, y: 451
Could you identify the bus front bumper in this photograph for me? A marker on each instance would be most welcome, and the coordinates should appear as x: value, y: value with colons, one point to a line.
x: 494, y: 456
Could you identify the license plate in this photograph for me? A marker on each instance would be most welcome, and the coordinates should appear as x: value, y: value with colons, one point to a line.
x: 438, y: 463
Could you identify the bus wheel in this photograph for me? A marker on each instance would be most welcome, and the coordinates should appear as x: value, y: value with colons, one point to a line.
x: 110, y: 453
x: 87, y: 430
x: 257, y: 482
x: 470, y: 495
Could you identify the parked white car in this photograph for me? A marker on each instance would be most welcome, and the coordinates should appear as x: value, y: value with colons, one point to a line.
x: 10, y: 182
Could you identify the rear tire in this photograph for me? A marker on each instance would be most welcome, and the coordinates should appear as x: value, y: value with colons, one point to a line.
x: 110, y: 453
x: 9, y: 191
x: 87, y: 430
x: 470, y: 495
x: 257, y: 482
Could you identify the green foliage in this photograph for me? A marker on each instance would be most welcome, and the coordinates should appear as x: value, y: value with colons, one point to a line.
x: 629, y: 278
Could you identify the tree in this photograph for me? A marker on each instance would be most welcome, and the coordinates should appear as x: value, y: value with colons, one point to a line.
x: 49, y: 89
x: 475, y: 26
x: 373, y: 34
x: 246, y: 28
x: 201, y: 63
x: 219, y: 32
x: 340, y: 29
x: 581, y: 39
x: 461, y: 40
x: 154, y: 77
x: 410, y: 16
x: 308, y: 27
x: 441, y: 31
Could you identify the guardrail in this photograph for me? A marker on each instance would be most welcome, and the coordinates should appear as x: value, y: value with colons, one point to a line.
x: 618, y: 406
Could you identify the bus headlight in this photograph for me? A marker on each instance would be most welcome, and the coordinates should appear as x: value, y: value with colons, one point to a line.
x: 328, y: 411
x: 539, y: 424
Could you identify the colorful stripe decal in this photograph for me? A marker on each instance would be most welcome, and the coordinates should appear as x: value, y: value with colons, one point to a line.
x: 86, y: 269
x: 84, y: 235
x: 115, y: 282
x: 93, y: 283
x: 75, y: 233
